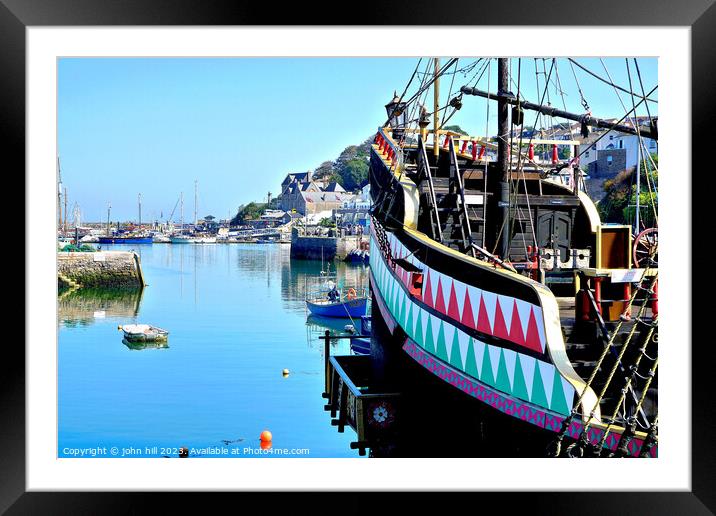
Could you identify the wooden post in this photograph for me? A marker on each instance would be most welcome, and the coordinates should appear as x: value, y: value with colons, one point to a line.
x: 436, y: 108
x: 326, y: 358
x: 503, y: 129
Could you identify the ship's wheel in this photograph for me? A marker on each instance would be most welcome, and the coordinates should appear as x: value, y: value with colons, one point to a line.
x: 646, y: 248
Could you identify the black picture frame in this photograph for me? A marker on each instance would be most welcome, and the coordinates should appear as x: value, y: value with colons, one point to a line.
x: 699, y: 15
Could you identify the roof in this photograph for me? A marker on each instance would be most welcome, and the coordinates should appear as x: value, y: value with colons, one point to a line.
x: 324, y: 196
x: 298, y: 176
x: 333, y: 186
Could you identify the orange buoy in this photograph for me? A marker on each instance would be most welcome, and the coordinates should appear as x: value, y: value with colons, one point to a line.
x: 266, y: 445
x: 266, y: 436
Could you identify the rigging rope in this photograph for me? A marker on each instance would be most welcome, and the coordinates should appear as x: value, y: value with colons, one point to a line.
x: 557, y: 443
x: 645, y: 97
x: 629, y: 380
x: 584, y: 101
x: 583, y: 441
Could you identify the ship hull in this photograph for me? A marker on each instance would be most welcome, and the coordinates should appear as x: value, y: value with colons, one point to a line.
x: 491, y: 333
x: 489, y: 345
x: 120, y: 240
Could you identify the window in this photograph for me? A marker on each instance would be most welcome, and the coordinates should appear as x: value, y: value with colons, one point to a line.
x: 621, y: 144
x: 611, y: 136
x: 609, y: 160
x: 586, y: 154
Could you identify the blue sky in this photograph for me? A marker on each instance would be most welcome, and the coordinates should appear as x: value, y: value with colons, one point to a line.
x: 238, y: 125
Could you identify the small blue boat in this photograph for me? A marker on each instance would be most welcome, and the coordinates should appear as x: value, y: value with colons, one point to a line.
x: 345, y: 308
x: 125, y: 240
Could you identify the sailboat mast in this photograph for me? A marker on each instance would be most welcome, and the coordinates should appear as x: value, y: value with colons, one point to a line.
x: 59, y: 194
x: 139, y: 201
x: 503, y: 158
x: 109, y: 207
x: 64, y: 227
x: 181, y: 211
x: 196, y: 196
x: 436, y: 106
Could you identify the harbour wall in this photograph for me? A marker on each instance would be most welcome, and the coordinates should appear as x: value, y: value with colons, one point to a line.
x: 115, y: 269
x: 318, y: 247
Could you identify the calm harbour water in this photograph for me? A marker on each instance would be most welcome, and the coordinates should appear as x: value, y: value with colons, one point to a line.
x: 237, y: 318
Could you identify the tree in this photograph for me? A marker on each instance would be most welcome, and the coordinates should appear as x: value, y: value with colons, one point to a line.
x: 353, y: 173
x: 648, y: 200
x: 250, y: 211
x: 323, y: 170
x: 455, y: 129
x: 619, y: 203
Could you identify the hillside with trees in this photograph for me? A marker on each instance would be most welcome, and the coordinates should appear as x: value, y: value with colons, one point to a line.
x: 350, y: 169
x: 619, y: 202
x: 247, y: 212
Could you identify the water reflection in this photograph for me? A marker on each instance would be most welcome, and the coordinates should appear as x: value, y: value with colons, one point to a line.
x: 237, y: 318
x: 136, y: 346
x: 82, y: 307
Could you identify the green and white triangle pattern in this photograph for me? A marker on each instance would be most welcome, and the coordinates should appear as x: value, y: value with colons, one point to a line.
x: 513, y: 373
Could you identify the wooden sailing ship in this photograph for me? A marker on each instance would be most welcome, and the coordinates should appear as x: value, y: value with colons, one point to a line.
x: 503, y: 281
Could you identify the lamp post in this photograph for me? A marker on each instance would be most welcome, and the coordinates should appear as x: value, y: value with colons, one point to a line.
x: 397, y: 116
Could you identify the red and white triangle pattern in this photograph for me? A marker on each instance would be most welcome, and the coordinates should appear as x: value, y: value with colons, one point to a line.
x: 493, y: 314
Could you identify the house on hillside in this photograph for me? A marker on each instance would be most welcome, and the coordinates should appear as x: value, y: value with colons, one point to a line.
x: 615, y: 151
x: 295, y: 178
x: 301, y: 193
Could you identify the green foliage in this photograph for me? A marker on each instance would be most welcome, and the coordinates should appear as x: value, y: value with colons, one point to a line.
x: 250, y: 211
x: 350, y: 169
x: 353, y: 173
x: 327, y: 222
x: 619, y: 203
x: 71, y: 248
x: 456, y: 129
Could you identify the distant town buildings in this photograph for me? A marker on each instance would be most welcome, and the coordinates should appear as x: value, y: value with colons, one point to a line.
x: 603, y: 153
x: 301, y: 193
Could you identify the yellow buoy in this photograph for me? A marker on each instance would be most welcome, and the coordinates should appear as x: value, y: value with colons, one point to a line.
x: 119, y: 327
x: 286, y: 372
x: 266, y: 436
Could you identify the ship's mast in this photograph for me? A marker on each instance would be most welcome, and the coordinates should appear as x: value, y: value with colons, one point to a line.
x: 64, y: 226
x: 576, y: 117
x: 109, y: 207
x: 196, y: 196
x: 139, y: 201
x: 59, y: 194
x: 181, y: 212
x: 436, y: 106
x: 503, y: 158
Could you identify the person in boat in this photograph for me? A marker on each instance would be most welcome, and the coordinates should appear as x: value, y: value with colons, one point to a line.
x: 333, y: 294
